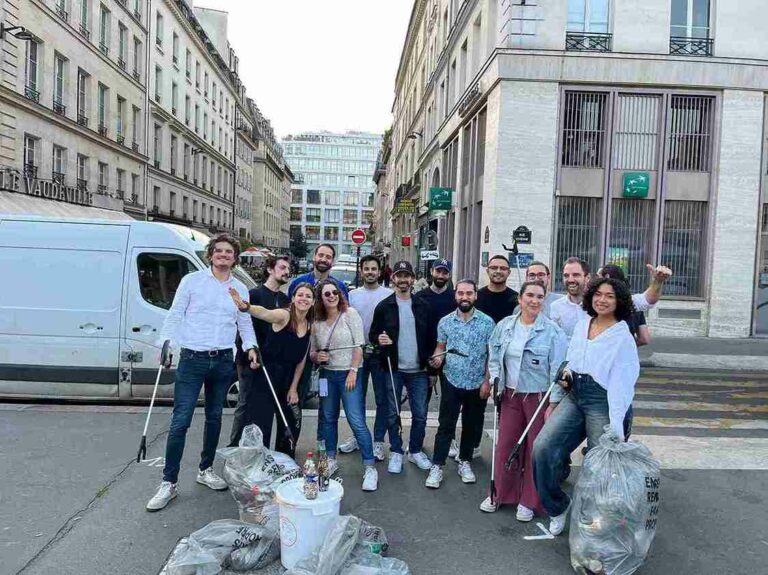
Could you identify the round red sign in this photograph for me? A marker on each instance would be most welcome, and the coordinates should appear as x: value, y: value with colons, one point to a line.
x: 358, y: 236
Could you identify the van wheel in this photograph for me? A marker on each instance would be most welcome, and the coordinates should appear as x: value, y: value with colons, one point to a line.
x: 232, y: 394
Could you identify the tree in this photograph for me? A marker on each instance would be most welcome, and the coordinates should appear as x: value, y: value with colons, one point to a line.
x: 298, y: 246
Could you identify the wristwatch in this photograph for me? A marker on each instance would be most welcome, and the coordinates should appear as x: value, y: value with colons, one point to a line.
x: 354, y: 369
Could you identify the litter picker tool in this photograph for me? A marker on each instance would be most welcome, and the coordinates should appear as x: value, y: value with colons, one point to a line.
x: 165, y: 357
x: 496, y: 402
x: 449, y: 351
x: 515, y: 453
x: 394, y: 396
x: 288, y: 433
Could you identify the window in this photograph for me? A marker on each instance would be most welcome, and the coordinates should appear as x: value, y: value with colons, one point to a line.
x: 312, y: 233
x: 59, y: 73
x: 297, y: 214
x: 205, y: 125
x: 172, y: 203
x: 82, y: 98
x: 189, y: 64
x: 158, y: 84
x: 205, y: 172
x: 197, y: 118
x: 185, y: 207
x: 158, y: 142
x: 351, y: 198
x: 197, y: 74
x: 185, y: 166
x: 690, y: 133
x: 85, y: 13
x: 350, y: 217
x: 578, y: 231
x: 588, y: 16
x: 134, y: 188
x: 313, y: 214
x: 194, y: 210
x: 121, y: 183
x: 30, y: 155
x: 104, y: 23
x: 122, y: 45
x: 137, y: 8
x: 296, y: 196
x: 332, y: 216
x: 313, y: 197
x: 120, y: 120
x: 202, y: 213
x: 175, y: 48
x: 159, y: 30
x: 103, y: 176
x: 137, y: 66
x: 136, y: 122
x: 174, y: 149
x: 59, y: 163
x: 584, y: 129
x: 102, y: 103
x: 331, y: 234
x: 82, y: 171
x: 187, y: 109
x: 331, y: 198
x: 636, y: 132
x: 205, y: 85
x: 690, y: 19
x: 33, y: 52
x: 367, y: 200
x: 159, y: 277
x: 174, y: 97
x: 213, y: 95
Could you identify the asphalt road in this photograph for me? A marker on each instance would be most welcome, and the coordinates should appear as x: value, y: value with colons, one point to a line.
x: 72, y: 497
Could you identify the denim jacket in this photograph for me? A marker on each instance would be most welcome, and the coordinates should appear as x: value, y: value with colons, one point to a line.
x: 544, y: 351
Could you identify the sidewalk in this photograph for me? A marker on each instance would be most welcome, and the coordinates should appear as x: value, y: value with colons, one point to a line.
x: 744, y: 355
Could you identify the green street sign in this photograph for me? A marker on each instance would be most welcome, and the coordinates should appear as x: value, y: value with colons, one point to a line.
x: 440, y: 198
x: 636, y: 184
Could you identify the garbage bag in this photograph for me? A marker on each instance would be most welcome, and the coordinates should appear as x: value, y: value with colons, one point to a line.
x: 615, y: 507
x: 346, y: 550
x: 253, y: 474
x: 226, y: 543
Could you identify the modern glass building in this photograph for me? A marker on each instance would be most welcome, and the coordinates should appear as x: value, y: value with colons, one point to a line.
x: 333, y: 192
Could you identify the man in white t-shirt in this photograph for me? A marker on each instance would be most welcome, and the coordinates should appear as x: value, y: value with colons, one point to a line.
x: 365, y: 299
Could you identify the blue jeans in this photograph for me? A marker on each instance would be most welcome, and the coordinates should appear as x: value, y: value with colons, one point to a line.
x: 417, y: 385
x: 195, y: 370
x: 582, y: 413
x: 372, y: 368
x: 354, y: 408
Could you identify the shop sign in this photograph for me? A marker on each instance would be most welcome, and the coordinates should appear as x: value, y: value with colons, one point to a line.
x: 13, y: 181
x: 636, y: 184
x: 440, y: 198
x: 429, y: 255
x: 520, y: 261
x: 406, y: 206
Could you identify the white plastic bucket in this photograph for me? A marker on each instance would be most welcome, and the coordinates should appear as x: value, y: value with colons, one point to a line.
x: 303, y: 522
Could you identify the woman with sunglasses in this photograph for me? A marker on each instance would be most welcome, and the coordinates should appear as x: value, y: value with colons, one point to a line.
x: 337, y: 340
x: 284, y: 353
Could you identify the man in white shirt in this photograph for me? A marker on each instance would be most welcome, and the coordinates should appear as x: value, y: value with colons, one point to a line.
x: 203, y: 321
x: 365, y: 299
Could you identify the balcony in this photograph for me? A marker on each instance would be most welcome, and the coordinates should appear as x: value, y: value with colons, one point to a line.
x: 103, y: 130
x: 82, y: 185
x: 158, y: 99
x: 136, y: 75
x: 135, y: 147
x: 134, y: 199
x: 84, y: 32
x: 155, y: 209
x: 173, y: 111
x: 30, y: 171
x: 588, y: 42
x: 82, y: 119
x: 121, y: 63
x: 58, y: 177
x: 120, y: 139
x: 137, y: 14
x: 31, y: 94
x: 157, y: 164
x: 123, y: 2
x: 101, y: 189
x: 63, y: 14
x: 685, y: 46
x: 120, y: 194
x: 59, y: 108
x: 104, y: 48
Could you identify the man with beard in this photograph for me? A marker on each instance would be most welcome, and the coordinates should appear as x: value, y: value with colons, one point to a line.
x: 439, y: 296
x: 402, y: 325
x: 255, y: 403
x: 365, y: 299
x: 322, y: 262
x: 465, y: 386
x: 496, y: 300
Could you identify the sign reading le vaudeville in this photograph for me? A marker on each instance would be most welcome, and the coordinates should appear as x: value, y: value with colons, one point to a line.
x: 11, y: 181
x: 440, y: 198
x: 406, y: 206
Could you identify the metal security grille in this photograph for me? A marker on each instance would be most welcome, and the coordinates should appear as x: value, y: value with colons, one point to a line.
x: 578, y: 232
x: 584, y: 123
x: 636, y: 133
x: 683, y: 243
x: 631, y: 239
x: 690, y: 133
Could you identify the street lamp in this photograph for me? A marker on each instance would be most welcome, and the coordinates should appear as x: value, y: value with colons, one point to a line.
x: 18, y: 32
x: 197, y: 151
x: 413, y: 135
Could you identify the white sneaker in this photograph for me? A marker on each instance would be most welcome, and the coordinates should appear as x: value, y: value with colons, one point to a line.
x: 378, y: 451
x: 349, y: 445
x: 488, y: 506
x: 435, y: 477
x: 370, y: 479
x: 465, y: 472
x: 333, y: 466
x: 453, y: 450
x: 420, y: 459
x: 208, y: 478
x: 165, y: 493
x: 524, y: 514
x: 395, y: 462
x: 557, y: 524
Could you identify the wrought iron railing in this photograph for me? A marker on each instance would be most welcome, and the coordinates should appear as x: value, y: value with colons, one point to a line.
x: 82, y: 185
x: 31, y: 94
x: 59, y: 108
x: 135, y: 146
x: 121, y: 63
x: 30, y: 171
x: 136, y: 75
x: 588, y: 42
x: 58, y: 177
x: 103, y: 130
x: 84, y: 32
x: 82, y: 119
x: 104, y: 48
x: 120, y: 139
x: 101, y: 189
x: 63, y: 14
x: 685, y: 46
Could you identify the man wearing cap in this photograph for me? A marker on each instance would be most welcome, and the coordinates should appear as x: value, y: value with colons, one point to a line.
x: 440, y: 297
x: 404, y: 328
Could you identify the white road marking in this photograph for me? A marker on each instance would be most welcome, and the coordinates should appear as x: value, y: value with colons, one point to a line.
x: 547, y: 534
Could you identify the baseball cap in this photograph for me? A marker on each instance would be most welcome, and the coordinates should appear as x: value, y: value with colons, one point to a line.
x: 403, y: 267
x: 442, y: 263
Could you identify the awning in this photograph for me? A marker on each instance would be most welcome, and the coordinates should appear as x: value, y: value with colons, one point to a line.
x: 22, y: 204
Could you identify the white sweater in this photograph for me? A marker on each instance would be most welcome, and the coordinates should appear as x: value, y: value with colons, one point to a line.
x: 612, y: 361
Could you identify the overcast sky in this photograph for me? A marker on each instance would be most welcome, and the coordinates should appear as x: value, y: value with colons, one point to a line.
x: 319, y: 64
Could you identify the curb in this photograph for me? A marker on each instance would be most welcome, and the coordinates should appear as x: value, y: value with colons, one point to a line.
x: 749, y: 363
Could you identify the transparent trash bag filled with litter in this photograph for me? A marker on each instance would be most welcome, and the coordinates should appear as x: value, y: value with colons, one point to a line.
x: 347, y: 551
x: 253, y: 474
x: 224, y: 544
x: 615, y: 507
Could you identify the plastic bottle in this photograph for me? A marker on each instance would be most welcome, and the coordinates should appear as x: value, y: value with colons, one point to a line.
x: 323, y: 478
x: 310, y: 477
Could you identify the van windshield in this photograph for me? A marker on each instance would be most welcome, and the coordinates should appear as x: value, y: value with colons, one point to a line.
x: 237, y: 271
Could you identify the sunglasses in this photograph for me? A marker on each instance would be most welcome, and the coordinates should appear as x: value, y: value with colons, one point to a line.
x: 330, y: 293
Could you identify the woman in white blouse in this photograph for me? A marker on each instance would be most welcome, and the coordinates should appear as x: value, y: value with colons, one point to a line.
x: 604, y: 366
x: 337, y: 345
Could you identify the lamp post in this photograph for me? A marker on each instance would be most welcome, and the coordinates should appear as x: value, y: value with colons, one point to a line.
x: 18, y: 32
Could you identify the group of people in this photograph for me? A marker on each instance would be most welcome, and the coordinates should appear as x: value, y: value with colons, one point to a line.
x: 467, y: 343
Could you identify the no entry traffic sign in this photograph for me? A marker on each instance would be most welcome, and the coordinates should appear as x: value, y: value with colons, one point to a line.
x: 358, y: 236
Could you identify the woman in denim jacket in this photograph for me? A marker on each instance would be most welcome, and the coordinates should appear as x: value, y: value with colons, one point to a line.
x: 525, y: 351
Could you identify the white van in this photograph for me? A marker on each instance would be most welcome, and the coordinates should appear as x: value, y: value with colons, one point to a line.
x: 82, y: 303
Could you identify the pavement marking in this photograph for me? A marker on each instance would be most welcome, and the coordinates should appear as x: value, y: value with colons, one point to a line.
x: 716, y: 423
x: 156, y: 462
x: 547, y: 534
x: 700, y: 406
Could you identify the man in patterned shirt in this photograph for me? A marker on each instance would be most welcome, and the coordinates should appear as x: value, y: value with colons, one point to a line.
x: 466, y: 388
